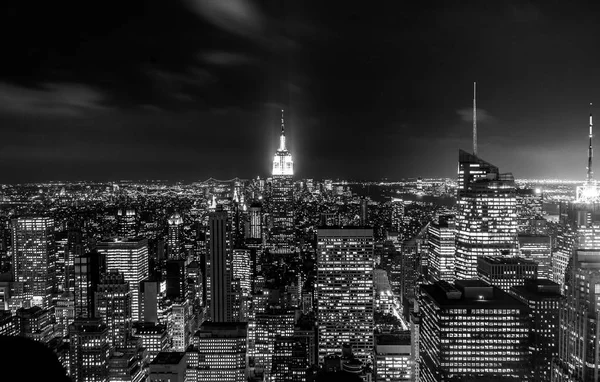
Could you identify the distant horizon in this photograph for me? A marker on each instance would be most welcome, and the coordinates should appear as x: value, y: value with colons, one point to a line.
x: 338, y: 179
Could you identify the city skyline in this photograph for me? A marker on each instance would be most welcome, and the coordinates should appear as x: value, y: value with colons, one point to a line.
x: 389, y: 96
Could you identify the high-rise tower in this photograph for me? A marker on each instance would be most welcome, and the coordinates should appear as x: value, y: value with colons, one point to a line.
x: 220, y: 267
x: 486, y: 222
x: 282, y: 198
x: 33, y: 260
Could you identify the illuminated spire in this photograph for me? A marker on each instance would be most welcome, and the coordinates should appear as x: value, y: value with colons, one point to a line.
x: 474, y: 118
x: 282, y: 137
x: 590, y: 173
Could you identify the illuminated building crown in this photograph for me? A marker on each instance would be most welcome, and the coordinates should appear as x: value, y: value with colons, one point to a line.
x: 282, y: 161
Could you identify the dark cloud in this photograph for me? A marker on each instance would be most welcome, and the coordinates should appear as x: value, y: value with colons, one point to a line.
x: 191, y: 89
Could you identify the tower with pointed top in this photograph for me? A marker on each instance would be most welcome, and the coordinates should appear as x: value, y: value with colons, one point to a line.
x: 589, y: 192
x: 282, y: 198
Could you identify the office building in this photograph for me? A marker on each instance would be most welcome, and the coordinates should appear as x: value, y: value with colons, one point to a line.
x: 64, y: 313
x: 530, y: 219
x: 543, y: 299
x: 221, y: 351
x: 393, y: 358
x: 89, y: 350
x: 281, y: 201
x: 179, y: 326
x: 130, y: 257
x: 221, y: 309
x: 255, y: 228
x: 561, y: 256
x: 176, y: 279
x: 537, y: 248
x: 149, y: 290
x: 87, y: 276
x: 578, y: 350
x: 344, y: 291
x: 175, y: 238
x: 127, y: 365
x: 486, y: 221
x: 33, y: 261
x: 113, y: 306
x: 241, y: 284
x: 442, y: 249
x: 154, y: 337
x: 506, y: 272
x: 290, y: 359
x: 35, y: 323
x: 472, y: 330
x: 127, y: 223
x: 268, y: 325
x: 168, y: 367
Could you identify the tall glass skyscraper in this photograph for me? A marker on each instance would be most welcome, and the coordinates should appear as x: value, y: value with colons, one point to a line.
x: 281, y: 203
x: 486, y: 222
x: 344, y: 291
x: 34, y: 260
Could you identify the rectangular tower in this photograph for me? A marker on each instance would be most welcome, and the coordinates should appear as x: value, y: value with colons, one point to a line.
x: 130, y: 257
x: 344, y: 291
x: 220, y: 267
x: 33, y: 260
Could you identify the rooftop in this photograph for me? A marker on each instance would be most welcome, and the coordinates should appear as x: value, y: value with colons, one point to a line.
x: 470, y: 294
x: 168, y: 358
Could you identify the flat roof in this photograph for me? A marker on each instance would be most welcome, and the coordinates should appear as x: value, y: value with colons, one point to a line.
x: 168, y: 358
x: 499, y: 299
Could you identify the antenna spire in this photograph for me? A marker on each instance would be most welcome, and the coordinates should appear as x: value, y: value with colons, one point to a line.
x: 475, y: 118
x: 590, y: 173
x: 282, y: 137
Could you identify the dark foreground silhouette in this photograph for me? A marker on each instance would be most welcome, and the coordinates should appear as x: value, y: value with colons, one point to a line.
x: 27, y: 360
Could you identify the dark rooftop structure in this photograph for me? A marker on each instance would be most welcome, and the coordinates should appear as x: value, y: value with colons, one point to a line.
x: 168, y: 358
x: 470, y: 294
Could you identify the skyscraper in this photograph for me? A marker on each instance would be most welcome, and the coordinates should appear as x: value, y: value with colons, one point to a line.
x: 344, y: 291
x: 90, y: 349
x: 578, y: 351
x: 442, y: 249
x: 221, y: 349
x: 126, y: 223
x: 506, y: 272
x: 87, y: 275
x: 130, y: 257
x: 281, y: 201
x: 113, y: 306
x: 486, y: 222
x: 255, y: 231
x: 543, y: 298
x: 220, y: 267
x: 174, y: 242
x: 34, y: 260
x: 472, y: 330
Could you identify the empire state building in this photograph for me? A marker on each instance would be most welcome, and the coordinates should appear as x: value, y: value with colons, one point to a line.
x: 282, y: 198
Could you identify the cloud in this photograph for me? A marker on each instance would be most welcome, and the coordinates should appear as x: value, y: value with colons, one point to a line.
x: 51, y: 99
x: 482, y: 115
x: 235, y: 16
x: 223, y: 58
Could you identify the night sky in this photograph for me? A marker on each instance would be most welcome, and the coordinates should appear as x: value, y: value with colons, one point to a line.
x: 186, y: 90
